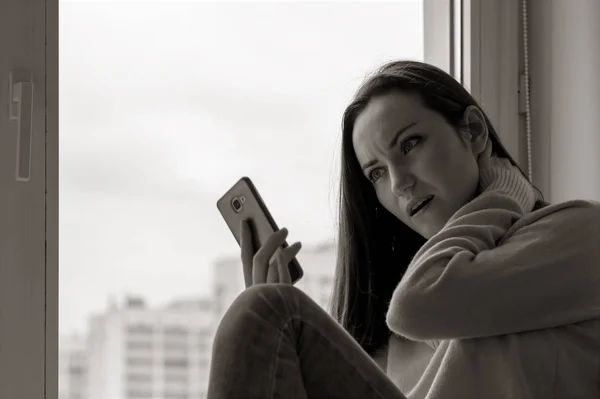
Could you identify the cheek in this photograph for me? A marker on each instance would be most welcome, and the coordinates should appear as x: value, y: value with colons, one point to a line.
x: 433, y: 164
x: 391, y: 202
x: 449, y: 171
x: 457, y: 175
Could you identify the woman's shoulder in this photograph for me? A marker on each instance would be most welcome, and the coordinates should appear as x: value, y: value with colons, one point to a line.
x: 576, y: 207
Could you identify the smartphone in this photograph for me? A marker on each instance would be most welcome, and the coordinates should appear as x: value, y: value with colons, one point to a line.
x: 242, y: 201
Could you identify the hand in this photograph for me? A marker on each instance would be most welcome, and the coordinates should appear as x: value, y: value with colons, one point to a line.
x: 266, y: 265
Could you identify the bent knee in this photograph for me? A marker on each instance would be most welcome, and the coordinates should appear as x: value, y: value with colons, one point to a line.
x: 280, y: 298
x: 273, y: 303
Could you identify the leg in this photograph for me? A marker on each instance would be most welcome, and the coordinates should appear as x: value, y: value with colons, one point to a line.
x: 276, y: 342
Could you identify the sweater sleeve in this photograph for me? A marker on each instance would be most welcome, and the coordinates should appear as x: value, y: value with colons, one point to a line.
x: 491, y: 271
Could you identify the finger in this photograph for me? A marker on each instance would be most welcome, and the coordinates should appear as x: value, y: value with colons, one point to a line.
x: 263, y: 256
x: 283, y: 272
x: 247, y: 245
x: 273, y: 274
x: 283, y: 262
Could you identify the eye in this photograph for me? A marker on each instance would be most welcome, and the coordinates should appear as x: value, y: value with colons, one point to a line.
x: 375, y: 174
x: 409, y: 144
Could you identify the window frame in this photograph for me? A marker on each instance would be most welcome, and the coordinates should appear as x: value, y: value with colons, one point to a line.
x: 475, y: 40
x: 29, y: 284
x: 492, y: 66
x: 442, y: 44
x: 52, y: 200
x: 483, y: 53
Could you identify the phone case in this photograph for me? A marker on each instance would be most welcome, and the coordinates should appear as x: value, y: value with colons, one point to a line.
x: 242, y: 201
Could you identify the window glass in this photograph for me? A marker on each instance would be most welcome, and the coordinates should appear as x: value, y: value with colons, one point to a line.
x: 163, y: 106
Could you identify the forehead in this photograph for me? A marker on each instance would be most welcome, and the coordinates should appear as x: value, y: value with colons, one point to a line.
x: 382, y: 117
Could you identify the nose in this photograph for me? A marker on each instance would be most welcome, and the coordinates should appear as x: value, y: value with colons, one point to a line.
x: 401, y: 181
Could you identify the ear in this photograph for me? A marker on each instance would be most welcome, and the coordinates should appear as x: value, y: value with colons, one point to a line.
x: 474, y: 130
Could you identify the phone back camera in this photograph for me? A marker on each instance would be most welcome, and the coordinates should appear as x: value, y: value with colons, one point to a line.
x: 237, y: 204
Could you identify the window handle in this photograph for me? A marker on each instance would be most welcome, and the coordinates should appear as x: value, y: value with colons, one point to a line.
x: 20, y: 108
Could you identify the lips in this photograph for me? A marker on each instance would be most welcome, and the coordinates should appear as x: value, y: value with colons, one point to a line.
x: 417, y: 205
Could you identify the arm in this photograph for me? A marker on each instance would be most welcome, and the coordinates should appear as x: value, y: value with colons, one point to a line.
x: 462, y: 284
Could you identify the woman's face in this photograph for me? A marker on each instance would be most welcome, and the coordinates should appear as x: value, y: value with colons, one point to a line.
x: 422, y: 171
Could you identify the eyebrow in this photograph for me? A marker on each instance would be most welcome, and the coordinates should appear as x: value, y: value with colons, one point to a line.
x: 392, y: 144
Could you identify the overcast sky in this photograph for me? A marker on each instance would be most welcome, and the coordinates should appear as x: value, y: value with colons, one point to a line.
x: 164, y: 105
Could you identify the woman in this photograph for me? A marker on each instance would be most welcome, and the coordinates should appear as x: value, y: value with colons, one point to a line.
x: 453, y: 276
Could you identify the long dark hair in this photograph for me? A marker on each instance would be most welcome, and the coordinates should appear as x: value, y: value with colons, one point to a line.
x: 374, y: 248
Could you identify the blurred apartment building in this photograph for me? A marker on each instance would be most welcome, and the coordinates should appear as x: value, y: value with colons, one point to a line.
x: 134, y: 351
x: 72, y: 368
x: 137, y: 352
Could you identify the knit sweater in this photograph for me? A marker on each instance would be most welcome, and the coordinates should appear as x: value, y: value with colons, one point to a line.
x: 504, y: 302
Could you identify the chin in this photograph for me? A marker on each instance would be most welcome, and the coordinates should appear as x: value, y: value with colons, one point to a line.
x: 429, y: 234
